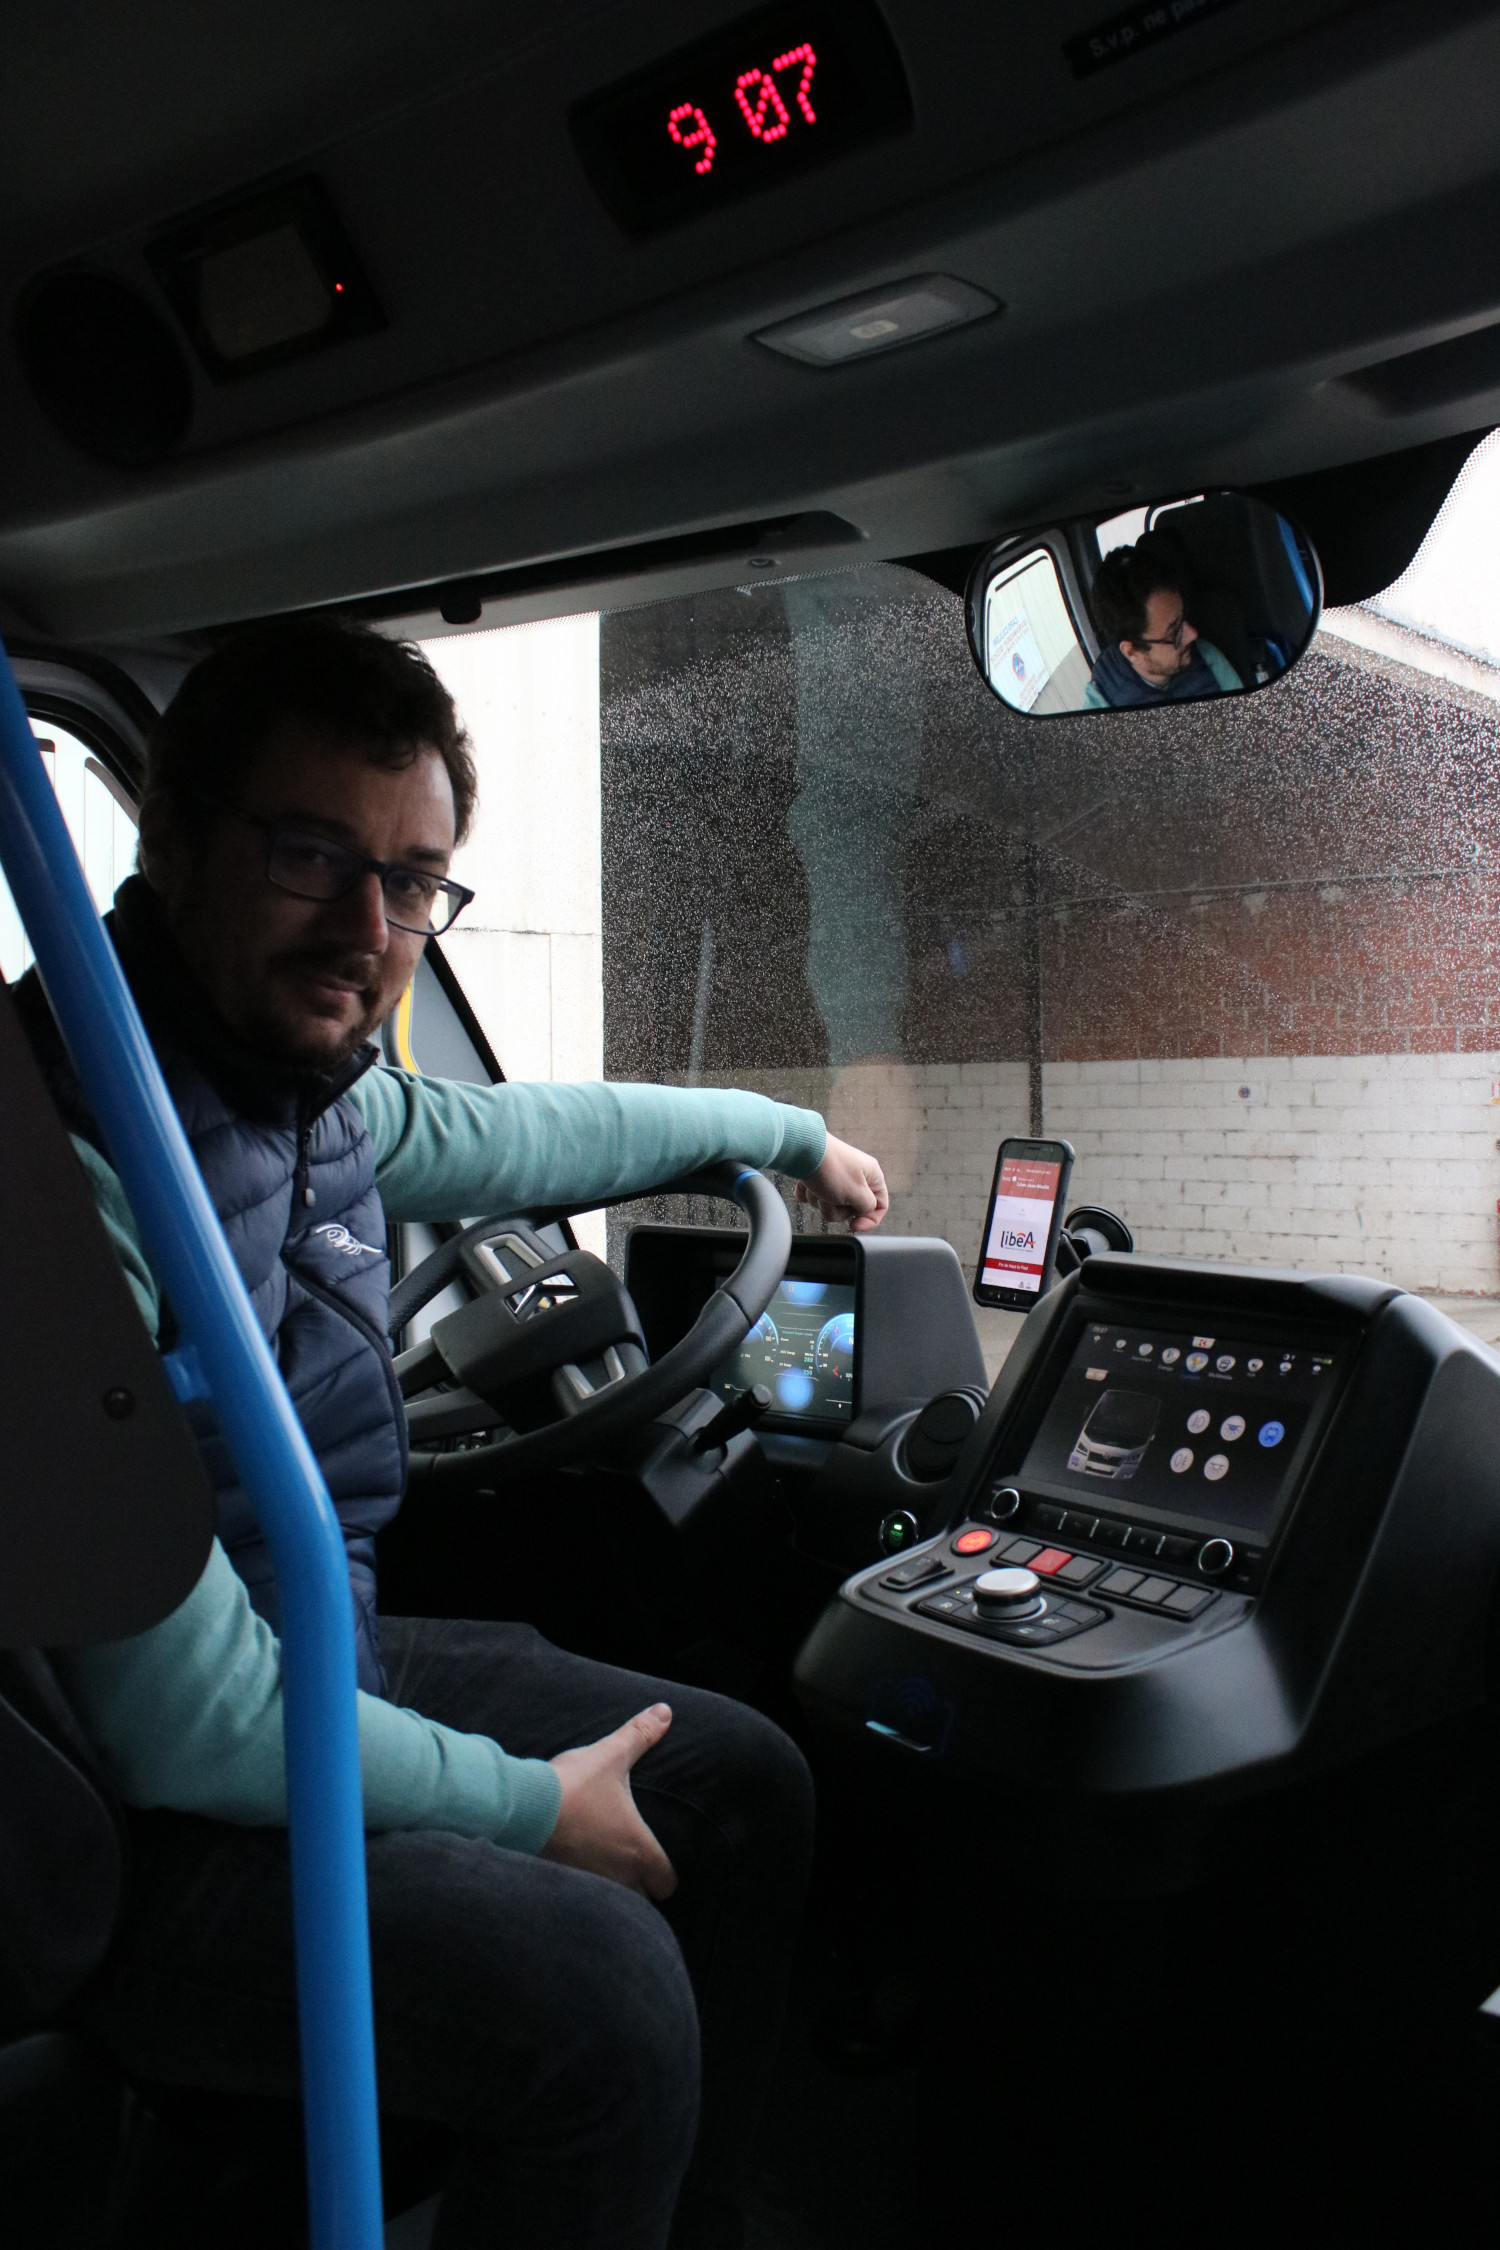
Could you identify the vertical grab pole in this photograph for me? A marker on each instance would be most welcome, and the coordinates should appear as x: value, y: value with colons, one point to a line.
x: 113, y: 1056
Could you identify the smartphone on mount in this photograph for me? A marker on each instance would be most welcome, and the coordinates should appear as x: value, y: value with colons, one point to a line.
x: 1022, y: 1222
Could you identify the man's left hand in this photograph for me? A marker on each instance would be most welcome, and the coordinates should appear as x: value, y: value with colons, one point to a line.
x: 847, y: 1185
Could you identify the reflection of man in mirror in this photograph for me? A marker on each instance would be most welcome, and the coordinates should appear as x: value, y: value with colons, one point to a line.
x: 1150, y: 652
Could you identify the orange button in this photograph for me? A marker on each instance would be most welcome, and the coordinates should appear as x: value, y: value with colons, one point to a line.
x: 975, y: 1543
x: 1050, y: 1559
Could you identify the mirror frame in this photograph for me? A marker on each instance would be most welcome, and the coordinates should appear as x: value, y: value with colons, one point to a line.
x: 1057, y: 539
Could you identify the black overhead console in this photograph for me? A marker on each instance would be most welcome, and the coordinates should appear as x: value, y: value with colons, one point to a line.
x: 1214, y: 1529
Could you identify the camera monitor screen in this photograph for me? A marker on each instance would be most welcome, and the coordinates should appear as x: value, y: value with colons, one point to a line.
x: 1208, y: 1430
x: 802, y: 1349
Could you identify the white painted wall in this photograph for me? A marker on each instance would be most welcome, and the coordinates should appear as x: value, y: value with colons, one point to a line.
x: 530, y: 948
x: 1378, y: 1164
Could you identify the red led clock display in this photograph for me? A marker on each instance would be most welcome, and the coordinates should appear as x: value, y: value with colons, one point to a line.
x: 766, y: 115
x: 775, y: 93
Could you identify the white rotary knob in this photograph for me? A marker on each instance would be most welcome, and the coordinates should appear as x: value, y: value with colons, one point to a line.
x: 1007, y: 1593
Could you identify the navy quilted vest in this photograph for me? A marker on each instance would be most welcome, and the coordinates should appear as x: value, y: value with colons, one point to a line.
x: 290, y: 1170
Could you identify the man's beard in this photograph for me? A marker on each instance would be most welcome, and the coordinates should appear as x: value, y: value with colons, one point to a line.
x: 268, y: 1029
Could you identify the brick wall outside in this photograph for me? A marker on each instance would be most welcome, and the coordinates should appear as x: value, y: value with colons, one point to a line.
x: 1296, y: 893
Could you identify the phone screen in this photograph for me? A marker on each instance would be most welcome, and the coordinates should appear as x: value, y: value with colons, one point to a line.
x: 1020, y: 1223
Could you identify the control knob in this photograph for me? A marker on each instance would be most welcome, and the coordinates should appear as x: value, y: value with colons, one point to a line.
x: 1215, y: 1557
x: 1000, y: 1505
x: 1007, y: 1593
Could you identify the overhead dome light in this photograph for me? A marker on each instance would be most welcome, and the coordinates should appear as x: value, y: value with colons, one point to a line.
x: 902, y: 313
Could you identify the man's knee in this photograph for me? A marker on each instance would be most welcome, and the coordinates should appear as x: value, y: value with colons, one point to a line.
x: 772, y: 1774
x: 738, y: 1770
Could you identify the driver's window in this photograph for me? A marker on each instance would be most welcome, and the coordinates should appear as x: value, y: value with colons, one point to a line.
x: 1032, y: 651
x: 100, y: 821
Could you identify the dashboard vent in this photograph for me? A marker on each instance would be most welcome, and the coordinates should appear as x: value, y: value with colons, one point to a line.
x: 935, y: 1438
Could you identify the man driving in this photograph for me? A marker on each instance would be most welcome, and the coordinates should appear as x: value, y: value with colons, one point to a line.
x: 570, y: 1933
x: 1149, y: 651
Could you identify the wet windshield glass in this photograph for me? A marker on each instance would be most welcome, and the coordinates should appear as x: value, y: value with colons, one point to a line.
x: 1240, y: 954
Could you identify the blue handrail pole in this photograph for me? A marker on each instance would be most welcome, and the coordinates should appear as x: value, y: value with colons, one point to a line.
x: 114, y: 1058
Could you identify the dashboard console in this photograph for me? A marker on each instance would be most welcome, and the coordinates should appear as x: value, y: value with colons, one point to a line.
x: 1212, y: 1528
x: 861, y: 1327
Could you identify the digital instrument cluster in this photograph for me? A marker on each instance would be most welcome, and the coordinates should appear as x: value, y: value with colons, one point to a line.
x: 802, y: 1349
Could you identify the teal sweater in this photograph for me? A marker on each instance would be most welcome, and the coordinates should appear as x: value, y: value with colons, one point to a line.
x: 188, y: 1715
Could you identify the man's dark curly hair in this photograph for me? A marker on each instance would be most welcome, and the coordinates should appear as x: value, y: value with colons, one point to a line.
x: 1124, y: 583
x: 349, y: 683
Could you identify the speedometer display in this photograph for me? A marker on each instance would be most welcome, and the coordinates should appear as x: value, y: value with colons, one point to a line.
x: 803, y: 1350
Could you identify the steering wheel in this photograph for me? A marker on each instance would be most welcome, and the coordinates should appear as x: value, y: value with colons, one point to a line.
x: 552, y: 1346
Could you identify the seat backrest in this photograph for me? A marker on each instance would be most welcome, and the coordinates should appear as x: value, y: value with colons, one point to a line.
x: 105, y: 1526
x: 61, y: 1850
x: 105, y: 1512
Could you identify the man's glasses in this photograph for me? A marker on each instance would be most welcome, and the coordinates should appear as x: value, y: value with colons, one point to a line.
x: 1166, y: 640
x: 310, y: 866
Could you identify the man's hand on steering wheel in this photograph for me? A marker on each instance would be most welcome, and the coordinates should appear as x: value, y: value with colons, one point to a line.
x: 847, y: 1185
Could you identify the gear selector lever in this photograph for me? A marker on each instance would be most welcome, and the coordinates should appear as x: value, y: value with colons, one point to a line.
x: 734, y: 1415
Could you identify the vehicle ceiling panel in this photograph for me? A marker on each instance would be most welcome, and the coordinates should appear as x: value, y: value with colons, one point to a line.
x: 1196, y: 252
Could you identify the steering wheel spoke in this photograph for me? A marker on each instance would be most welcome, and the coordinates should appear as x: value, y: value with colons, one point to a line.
x: 550, y: 1346
x: 573, y: 1386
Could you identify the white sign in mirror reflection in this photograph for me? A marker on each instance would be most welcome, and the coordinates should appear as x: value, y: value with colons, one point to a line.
x: 1211, y: 595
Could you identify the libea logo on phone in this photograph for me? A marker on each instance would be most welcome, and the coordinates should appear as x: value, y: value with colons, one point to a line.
x: 1020, y: 1223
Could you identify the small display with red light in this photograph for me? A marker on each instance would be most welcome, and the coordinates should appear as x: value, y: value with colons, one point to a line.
x: 780, y: 90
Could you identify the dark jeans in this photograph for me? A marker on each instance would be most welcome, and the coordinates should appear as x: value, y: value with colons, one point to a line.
x: 546, y: 2016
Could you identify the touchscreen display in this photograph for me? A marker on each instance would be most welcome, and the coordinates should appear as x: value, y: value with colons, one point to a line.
x: 1015, y: 1244
x: 1204, y: 1428
x: 802, y: 1349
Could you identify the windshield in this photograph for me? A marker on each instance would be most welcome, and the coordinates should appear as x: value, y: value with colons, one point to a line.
x: 1241, y: 956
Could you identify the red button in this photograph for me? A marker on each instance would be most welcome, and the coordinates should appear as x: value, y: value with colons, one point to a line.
x: 975, y: 1543
x: 1050, y: 1559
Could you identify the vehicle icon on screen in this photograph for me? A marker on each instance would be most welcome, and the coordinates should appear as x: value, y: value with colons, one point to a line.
x: 1113, y: 1441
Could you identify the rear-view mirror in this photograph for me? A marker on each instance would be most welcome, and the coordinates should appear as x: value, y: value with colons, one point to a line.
x: 1211, y: 595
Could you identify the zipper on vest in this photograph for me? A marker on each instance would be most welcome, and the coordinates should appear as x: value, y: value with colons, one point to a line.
x: 303, y: 1190
x: 372, y: 1335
